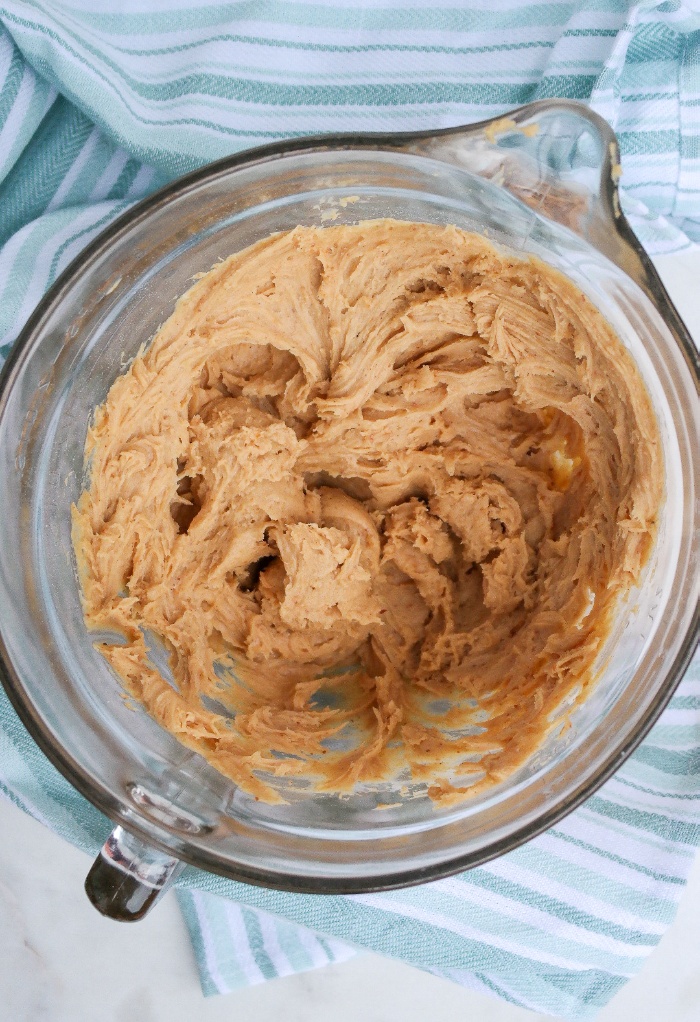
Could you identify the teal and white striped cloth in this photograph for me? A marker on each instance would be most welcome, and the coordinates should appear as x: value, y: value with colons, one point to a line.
x: 101, y: 103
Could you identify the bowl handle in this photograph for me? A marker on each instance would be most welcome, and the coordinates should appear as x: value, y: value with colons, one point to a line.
x: 128, y: 877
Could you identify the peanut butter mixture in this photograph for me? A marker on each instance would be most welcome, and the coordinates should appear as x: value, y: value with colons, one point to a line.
x: 376, y: 489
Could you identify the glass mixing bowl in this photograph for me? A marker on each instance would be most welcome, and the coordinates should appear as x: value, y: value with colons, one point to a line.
x: 542, y: 181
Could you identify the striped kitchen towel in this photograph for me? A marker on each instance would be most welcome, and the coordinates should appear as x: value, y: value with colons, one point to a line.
x: 102, y: 103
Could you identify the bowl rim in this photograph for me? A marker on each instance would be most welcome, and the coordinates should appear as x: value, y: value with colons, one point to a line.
x: 150, y: 831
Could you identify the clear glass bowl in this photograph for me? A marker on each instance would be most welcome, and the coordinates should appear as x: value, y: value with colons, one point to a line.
x: 542, y: 182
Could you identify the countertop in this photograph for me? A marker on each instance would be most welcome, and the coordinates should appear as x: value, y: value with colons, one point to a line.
x: 62, y: 962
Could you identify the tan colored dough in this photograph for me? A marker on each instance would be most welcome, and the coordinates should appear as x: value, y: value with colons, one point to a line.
x: 385, y: 451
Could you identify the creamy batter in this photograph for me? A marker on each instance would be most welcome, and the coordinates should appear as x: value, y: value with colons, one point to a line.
x: 377, y: 489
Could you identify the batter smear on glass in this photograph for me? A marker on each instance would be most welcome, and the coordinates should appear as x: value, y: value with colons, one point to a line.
x: 377, y: 489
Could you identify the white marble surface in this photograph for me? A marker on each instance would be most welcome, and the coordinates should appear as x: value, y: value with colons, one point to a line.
x: 62, y: 962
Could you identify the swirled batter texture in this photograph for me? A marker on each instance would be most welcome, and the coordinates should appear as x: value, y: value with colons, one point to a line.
x: 377, y: 490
